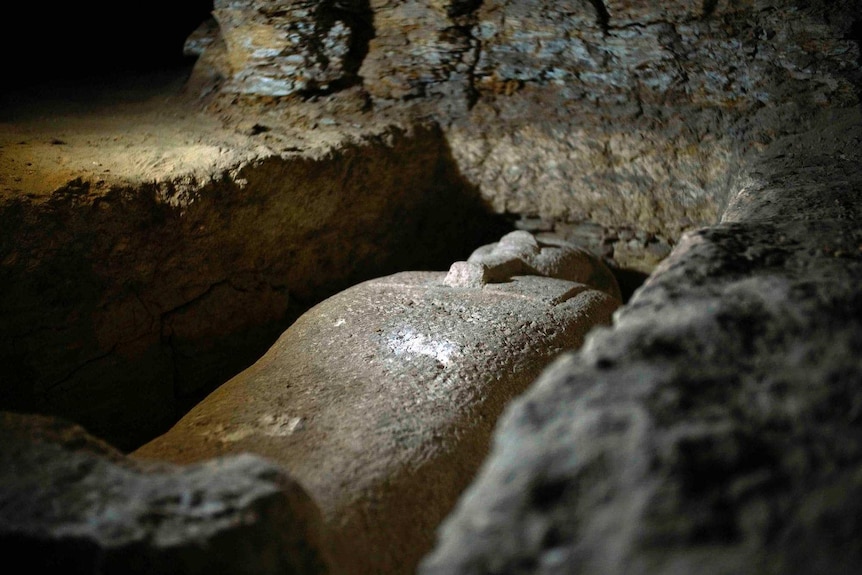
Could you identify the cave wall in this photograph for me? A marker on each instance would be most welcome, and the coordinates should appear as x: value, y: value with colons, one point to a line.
x: 613, y: 112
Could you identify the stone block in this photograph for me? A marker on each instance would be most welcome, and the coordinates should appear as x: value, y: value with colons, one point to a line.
x: 71, y: 503
x: 380, y: 400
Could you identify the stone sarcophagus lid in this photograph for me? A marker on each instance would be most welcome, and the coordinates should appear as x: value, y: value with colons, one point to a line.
x: 381, y: 400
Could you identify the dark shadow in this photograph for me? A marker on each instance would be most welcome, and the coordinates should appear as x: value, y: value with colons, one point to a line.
x: 358, y: 16
x: 855, y: 35
x: 603, y: 17
x: 458, y: 218
x: 708, y: 8
x: 629, y: 281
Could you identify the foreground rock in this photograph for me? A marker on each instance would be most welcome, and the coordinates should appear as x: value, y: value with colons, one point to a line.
x: 716, y: 427
x: 72, y: 504
x: 381, y: 399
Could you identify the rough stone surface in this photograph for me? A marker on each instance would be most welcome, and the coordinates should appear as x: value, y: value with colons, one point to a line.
x: 288, y: 47
x: 70, y: 503
x: 522, y: 253
x: 202, y: 38
x: 715, y: 427
x: 422, y: 49
x: 623, y: 113
x: 381, y: 399
x: 814, y: 176
x: 148, y: 253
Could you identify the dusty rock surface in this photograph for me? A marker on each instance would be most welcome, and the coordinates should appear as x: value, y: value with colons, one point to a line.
x: 150, y: 250
x: 715, y: 428
x: 381, y: 399
x: 127, y: 130
x: 626, y: 113
x: 70, y: 503
x: 621, y: 114
x: 618, y: 112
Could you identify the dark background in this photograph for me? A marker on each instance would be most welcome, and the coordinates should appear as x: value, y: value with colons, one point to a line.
x: 46, y: 41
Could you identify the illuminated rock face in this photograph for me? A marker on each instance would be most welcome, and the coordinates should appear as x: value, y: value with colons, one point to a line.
x: 289, y: 47
x: 716, y: 427
x: 381, y: 399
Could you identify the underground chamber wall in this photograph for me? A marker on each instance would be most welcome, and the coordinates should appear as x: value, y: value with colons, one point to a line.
x: 127, y: 303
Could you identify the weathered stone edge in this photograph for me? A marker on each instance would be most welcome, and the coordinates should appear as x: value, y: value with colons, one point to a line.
x: 716, y: 426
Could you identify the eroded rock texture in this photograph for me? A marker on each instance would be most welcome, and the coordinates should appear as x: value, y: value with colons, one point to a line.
x: 70, y: 503
x: 623, y: 113
x: 716, y: 427
x: 293, y: 46
x: 631, y: 112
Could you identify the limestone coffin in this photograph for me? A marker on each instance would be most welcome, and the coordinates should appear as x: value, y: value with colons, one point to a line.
x: 381, y: 399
